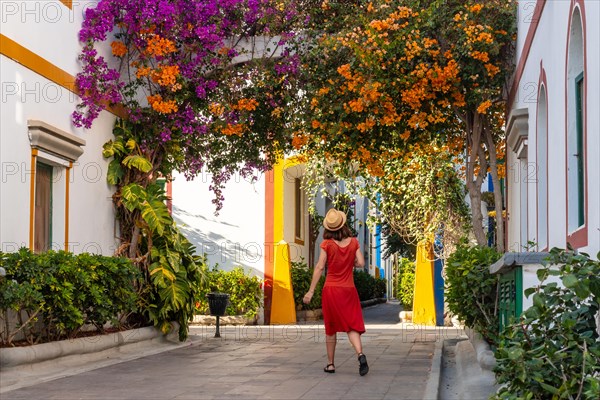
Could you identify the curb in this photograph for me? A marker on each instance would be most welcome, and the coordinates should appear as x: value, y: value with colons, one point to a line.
x: 223, y: 320
x: 485, y: 355
x: 432, y: 388
x: 372, y: 302
x: 18, y: 356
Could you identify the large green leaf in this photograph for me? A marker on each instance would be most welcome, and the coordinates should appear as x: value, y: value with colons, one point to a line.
x: 111, y: 148
x: 130, y: 144
x: 161, y: 274
x: 138, y: 162
x: 176, y: 293
x: 570, y: 280
x: 156, y: 214
x: 133, y: 194
x: 115, y: 172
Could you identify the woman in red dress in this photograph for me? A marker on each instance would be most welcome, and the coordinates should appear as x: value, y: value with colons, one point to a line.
x: 341, y: 306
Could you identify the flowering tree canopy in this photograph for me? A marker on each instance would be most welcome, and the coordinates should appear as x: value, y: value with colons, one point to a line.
x: 205, y: 83
x: 401, y: 73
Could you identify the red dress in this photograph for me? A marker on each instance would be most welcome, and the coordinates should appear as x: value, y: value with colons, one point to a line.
x: 341, y: 306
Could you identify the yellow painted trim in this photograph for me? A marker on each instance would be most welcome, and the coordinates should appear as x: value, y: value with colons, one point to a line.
x: 68, y: 3
x: 43, y: 67
x: 37, y: 64
x: 68, y: 176
x: 34, y: 154
x: 278, y: 202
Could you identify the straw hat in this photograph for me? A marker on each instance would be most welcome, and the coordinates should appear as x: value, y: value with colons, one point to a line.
x: 334, y: 220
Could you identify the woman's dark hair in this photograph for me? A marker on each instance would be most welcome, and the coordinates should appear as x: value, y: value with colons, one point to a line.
x: 341, y: 234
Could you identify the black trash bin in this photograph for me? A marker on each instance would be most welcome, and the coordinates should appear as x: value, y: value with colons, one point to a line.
x: 217, y: 304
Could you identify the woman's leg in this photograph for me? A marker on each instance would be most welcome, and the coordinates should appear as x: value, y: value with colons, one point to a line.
x: 354, y: 338
x: 330, y: 342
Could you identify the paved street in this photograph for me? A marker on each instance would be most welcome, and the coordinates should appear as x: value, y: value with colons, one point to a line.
x: 265, y: 362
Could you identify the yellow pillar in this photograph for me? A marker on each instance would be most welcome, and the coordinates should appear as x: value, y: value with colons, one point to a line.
x: 283, y: 308
x: 424, y: 302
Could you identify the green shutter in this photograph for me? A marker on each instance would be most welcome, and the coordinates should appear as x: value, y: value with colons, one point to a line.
x: 510, y: 301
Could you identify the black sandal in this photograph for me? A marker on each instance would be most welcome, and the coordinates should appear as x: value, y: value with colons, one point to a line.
x: 363, y: 369
x: 330, y: 371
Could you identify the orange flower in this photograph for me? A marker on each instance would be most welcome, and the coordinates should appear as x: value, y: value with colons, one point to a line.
x: 476, y: 8
x: 233, y: 129
x: 118, y: 48
x: 246, y: 104
x: 356, y: 105
x: 459, y: 99
x: 166, y: 75
x: 344, y: 71
x: 485, y: 37
x: 298, y: 141
x: 157, y: 46
x: 492, y: 69
x: 143, y: 71
x: 216, y: 109
x: 163, y: 107
x: 481, y: 56
x: 365, y: 126
x: 482, y: 109
x: 380, y: 25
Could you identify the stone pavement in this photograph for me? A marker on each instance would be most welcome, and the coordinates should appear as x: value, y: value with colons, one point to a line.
x: 268, y: 362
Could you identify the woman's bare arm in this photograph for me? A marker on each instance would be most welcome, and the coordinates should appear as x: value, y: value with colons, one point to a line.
x: 359, y: 260
x: 316, y: 276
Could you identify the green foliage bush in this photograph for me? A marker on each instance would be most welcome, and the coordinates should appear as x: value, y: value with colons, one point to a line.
x: 365, y: 285
x: 64, y: 292
x: 471, y: 290
x: 301, y: 278
x: 553, y: 350
x: 245, y: 292
x: 368, y: 286
x: 380, y: 288
x: 405, y: 283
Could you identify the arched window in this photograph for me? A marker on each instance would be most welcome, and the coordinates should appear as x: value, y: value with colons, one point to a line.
x: 542, y: 169
x: 575, y: 126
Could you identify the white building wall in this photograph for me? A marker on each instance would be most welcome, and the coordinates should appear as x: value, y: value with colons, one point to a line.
x: 549, y: 50
x: 51, y: 33
x: 233, y: 238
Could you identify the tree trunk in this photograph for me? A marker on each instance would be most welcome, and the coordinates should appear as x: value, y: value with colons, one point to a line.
x: 497, y: 193
x: 476, y: 215
x: 474, y: 179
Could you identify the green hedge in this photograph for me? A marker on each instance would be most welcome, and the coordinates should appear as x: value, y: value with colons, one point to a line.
x: 245, y: 292
x: 553, y: 349
x: 471, y: 291
x: 368, y: 286
x: 405, y: 283
x: 301, y: 278
x: 64, y: 292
